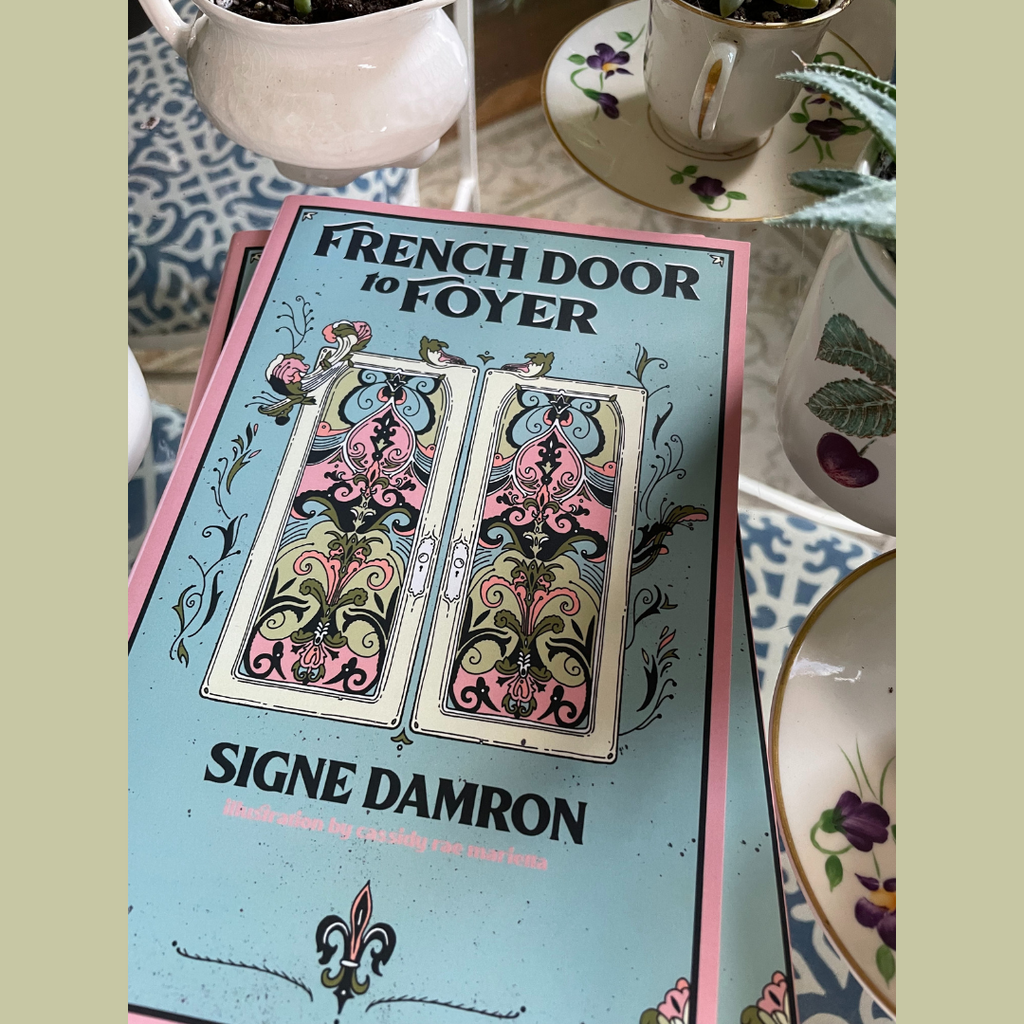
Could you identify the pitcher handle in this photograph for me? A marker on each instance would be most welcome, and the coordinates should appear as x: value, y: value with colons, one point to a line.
x: 712, y: 82
x: 166, y: 21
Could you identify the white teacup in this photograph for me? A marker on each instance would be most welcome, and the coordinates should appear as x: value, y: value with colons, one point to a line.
x: 711, y: 82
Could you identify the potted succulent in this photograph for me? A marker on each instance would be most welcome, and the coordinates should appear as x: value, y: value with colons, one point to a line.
x: 766, y: 10
x: 836, y: 400
x: 328, y: 89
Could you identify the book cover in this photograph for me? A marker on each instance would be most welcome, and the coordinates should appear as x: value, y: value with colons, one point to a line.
x: 423, y: 637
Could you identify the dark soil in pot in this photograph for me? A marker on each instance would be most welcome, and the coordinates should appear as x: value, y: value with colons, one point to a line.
x: 765, y: 10
x: 282, y: 12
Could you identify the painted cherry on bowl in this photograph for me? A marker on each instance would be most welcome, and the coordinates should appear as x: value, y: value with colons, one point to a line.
x: 838, y: 457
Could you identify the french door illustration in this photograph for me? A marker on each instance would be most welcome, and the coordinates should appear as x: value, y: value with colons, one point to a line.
x: 525, y: 640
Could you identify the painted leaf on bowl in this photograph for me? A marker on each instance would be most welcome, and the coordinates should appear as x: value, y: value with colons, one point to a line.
x: 833, y: 871
x: 857, y: 408
x: 845, y: 344
x: 885, y: 961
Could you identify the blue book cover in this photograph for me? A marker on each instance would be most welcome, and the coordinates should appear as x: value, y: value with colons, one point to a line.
x: 431, y: 640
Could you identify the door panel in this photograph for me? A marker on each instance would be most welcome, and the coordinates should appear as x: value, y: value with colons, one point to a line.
x: 526, y: 645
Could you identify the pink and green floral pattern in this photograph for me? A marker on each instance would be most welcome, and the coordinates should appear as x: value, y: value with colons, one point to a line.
x: 774, y: 1005
x: 526, y: 650
x: 675, y: 1007
x: 328, y: 610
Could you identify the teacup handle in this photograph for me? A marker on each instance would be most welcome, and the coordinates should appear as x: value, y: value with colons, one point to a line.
x: 712, y: 82
x: 166, y: 21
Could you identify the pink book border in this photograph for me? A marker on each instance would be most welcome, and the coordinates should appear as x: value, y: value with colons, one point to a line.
x: 204, y: 411
x: 217, y: 334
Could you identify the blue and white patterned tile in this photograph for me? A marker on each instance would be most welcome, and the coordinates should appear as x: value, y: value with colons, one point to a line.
x: 147, y: 486
x: 791, y: 563
x: 190, y: 188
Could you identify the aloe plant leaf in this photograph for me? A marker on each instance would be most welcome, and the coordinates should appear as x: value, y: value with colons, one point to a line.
x: 726, y: 7
x: 868, y: 97
x: 865, y: 78
x: 855, y: 407
x: 805, y: 5
x: 829, y: 181
x: 869, y: 211
x: 844, y: 343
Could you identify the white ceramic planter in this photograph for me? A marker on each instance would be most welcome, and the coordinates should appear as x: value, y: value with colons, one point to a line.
x: 331, y: 101
x: 837, y: 419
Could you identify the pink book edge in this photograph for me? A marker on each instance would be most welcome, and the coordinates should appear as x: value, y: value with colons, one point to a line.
x: 217, y: 334
x: 205, y: 418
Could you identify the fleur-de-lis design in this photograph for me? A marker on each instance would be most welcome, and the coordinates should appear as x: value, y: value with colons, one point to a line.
x: 354, y: 937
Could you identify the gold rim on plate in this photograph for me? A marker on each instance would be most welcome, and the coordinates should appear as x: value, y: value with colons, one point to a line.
x: 883, y: 1000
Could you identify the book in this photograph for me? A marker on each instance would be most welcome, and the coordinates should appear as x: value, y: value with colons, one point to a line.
x: 243, y: 254
x: 754, y: 942
x: 422, y: 611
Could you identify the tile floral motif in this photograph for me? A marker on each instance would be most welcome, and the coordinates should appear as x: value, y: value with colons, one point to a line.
x: 606, y: 61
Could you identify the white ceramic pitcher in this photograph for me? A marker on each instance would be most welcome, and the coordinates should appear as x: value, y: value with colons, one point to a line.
x: 330, y: 101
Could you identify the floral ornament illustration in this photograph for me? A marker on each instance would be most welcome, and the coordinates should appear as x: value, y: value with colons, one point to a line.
x: 537, y: 365
x: 853, y: 406
x: 773, y: 1007
x: 433, y: 351
x: 198, y: 602
x: 227, y: 467
x: 824, y: 131
x: 354, y: 938
x: 606, y: 61
x: 289, y: 376
x: 674, y: 1007
x: 657, y: 667
x: 707, y: 189
x: 297, y: 320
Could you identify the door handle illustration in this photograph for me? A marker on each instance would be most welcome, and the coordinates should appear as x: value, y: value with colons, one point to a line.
x: 421, y: 563
x: 458, y: 568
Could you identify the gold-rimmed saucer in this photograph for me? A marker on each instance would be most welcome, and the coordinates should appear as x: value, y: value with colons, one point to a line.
x: 833, y: 766
x: 603, y: 121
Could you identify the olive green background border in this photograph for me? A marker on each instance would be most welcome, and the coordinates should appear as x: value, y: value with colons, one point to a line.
x: 63, y: 436
x: 63, y: 716
x: 959, y: 706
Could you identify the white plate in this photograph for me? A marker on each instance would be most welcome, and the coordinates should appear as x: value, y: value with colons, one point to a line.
x: 833, y: 758
x: 625, y: 154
